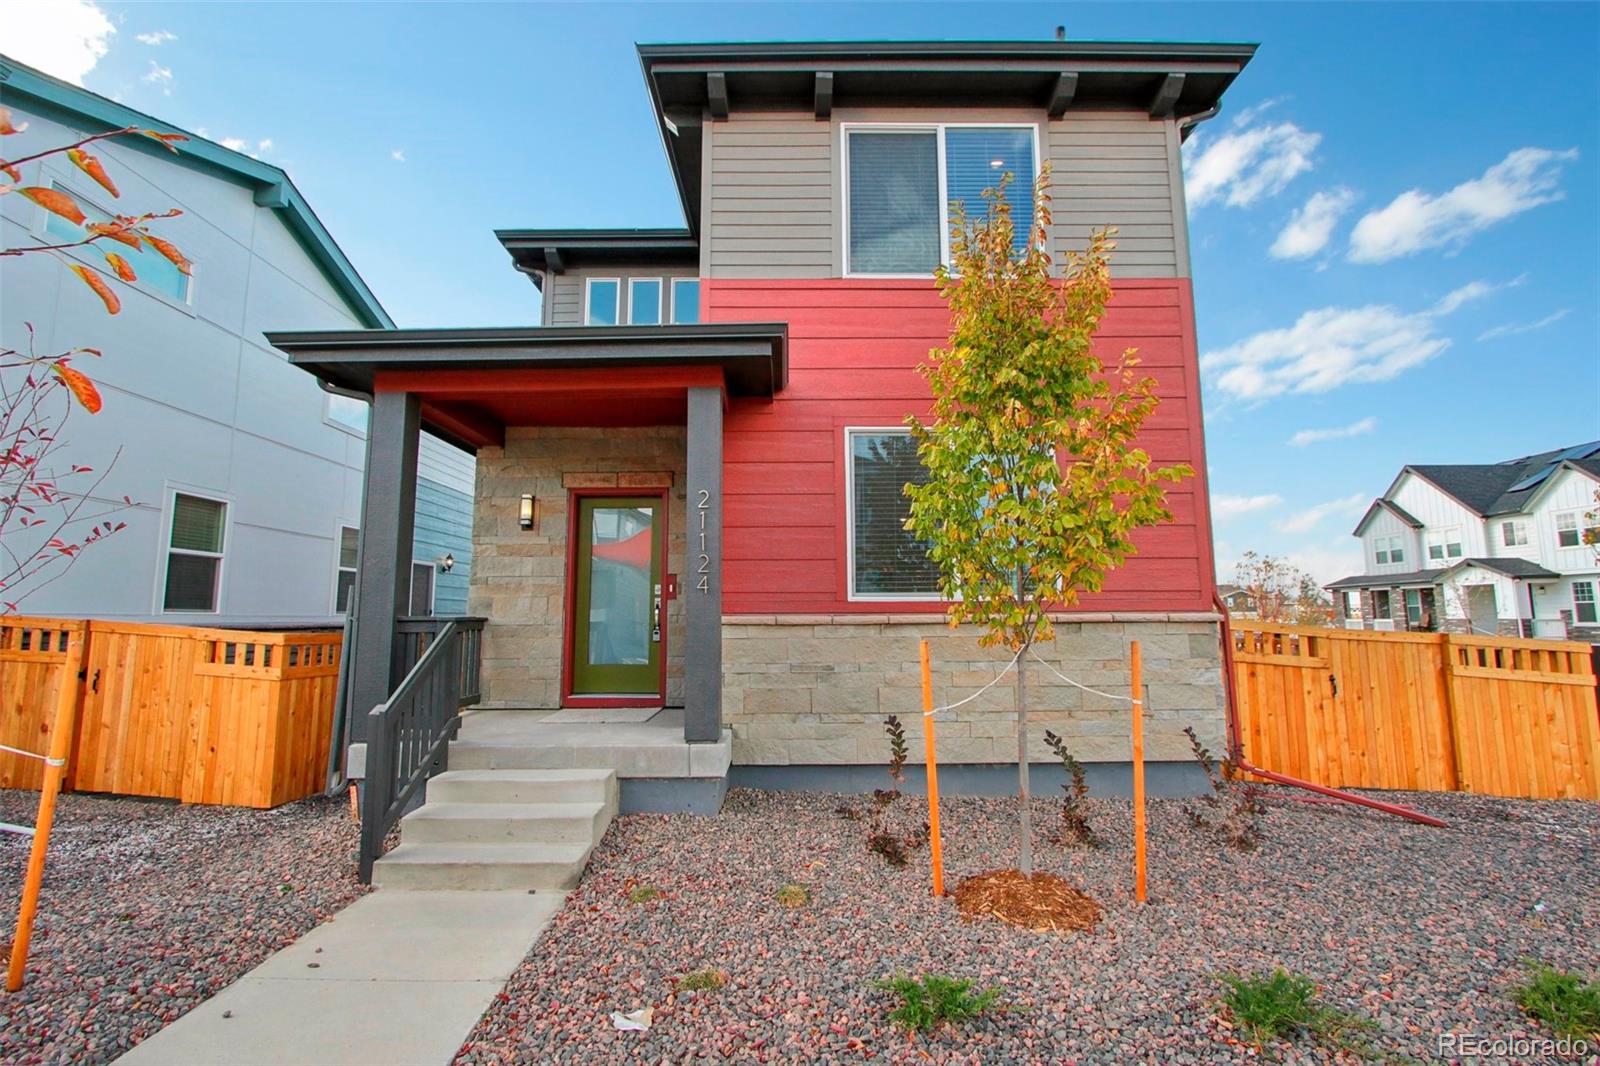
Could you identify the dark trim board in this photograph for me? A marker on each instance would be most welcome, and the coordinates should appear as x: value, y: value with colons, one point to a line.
x: 1162, y: 779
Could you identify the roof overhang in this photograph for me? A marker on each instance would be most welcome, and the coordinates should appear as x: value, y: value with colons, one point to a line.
x: 1509, y: 567
x: 540, y: 252
x: 1385, y: 505
x: 748, y: 359
x: 688, y: 82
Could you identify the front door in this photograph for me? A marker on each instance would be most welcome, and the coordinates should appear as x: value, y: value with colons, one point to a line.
x: 616, y: 631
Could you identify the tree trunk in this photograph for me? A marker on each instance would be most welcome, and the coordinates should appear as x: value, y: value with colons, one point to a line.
x: 1024, y: 795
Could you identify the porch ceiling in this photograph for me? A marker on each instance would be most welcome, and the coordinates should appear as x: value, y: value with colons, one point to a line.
x: 475, y: 382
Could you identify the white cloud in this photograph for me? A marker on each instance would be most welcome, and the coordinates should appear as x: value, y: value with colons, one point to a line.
x: 1354, y: 429
x: 159, y: 75
x: 235, y: 144
x: 1416, y: 220
x: 398, y: 155
x: 264, y: 145
x: 1335, y: 346
x: 156, y: 38
x: 1512, y: 329
x: 1224, y: 506
x: 65, y: 38
x: 1247, y: 164
x: 1313, y: 516
x: 1310, y: 227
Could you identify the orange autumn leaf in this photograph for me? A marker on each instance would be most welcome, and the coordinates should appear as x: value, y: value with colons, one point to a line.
x: 117, y: 231
x: 55, y: 201
x: 170, y: 253
x: 80, y: 385
x: 120, y: 265
x: 90, y: 165
x: 93, y: 279
x: 10, y: 171
x: 167, y: 139
x: 6, y: 126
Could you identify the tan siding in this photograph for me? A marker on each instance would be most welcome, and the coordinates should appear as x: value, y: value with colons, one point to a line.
x: 771, y: 197
x: 566, y: 290
x: 1116, y: 169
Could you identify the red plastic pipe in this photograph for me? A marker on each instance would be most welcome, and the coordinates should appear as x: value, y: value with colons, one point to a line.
x: 1236, y: 741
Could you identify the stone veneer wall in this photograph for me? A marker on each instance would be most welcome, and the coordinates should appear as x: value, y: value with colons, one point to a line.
x: 519, y: 576
x: 812, y: 690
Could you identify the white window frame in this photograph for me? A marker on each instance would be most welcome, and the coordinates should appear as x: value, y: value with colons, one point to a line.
x: 1517, y: 530
x: 850, y: 524
x: 89, y: 255
x: 1593, y: 601
x: 588, y: 287
x: 672, y: 284
x: 661, y: 300
x: 169, y: 513
x: 1388, y: 546
x: 1443, y: 539
x: 339, y: 568
x: 938, y: 129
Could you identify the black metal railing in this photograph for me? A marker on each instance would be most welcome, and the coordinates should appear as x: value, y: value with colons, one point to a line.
x: 409, y: 733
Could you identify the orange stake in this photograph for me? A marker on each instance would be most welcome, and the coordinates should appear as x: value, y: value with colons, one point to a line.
x: 1138, y: 774
x: 936, y: 845
x: 54, y: 771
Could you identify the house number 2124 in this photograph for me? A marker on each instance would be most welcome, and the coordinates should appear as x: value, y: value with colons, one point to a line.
x: 702, y: 570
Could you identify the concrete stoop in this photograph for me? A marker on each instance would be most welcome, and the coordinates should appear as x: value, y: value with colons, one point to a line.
x: 489, y: 829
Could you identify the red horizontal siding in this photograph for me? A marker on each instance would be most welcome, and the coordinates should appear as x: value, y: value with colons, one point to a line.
x: 854, y: 346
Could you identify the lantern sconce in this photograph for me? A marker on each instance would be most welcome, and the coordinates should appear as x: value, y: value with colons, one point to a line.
x: 447, y: 563
x: 525, y: 512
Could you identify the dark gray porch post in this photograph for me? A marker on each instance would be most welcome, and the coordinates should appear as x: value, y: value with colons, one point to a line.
x: 388, y: 514
x: 702, y: 585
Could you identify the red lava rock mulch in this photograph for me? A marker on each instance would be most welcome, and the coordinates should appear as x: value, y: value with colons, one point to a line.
x: 1044, y: 901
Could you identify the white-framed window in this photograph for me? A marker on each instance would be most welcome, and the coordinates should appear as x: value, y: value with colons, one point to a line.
x: 344, y: 578
x: 1514, y: 533
x: 886, y: 561
x: 685, y: 301
x: 346, y: 413
x: 644, y: 301
x: 1583, y: 604
x: 1388, y: 550
x: 602, y: 301
x: 900, y: 180
x: 421, y: 589
x: 153, y: 270
x: 196, y: 541
x: 1444, y: 544
x: 1571, y: 526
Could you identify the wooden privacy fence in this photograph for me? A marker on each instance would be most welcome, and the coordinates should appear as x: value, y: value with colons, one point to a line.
x: 199, y: 715
x: 1423, y: 711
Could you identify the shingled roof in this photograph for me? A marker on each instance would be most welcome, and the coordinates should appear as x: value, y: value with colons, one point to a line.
x: 1489, y: 489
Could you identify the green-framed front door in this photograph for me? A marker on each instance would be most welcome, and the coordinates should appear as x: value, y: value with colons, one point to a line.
x: 616, y: 632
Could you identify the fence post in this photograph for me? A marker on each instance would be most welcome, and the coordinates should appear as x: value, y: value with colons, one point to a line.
x: 1448, y: 657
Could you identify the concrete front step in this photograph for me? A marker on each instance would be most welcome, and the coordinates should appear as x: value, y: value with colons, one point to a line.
x: 506, y: 823
x: 523, y: 786
x: 481, y: 867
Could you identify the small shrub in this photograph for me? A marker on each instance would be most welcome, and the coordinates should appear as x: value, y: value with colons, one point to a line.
x: 897, y: 747
x: 1235, y: 806
x: 1284, y: 1006
x: 1075, y: 830
x: 794, y: 896
x: 643, y: 894
x: 936, y: 1000
x: 882, y: 842
x: 1563, y: 1001
x: 893, y: 836
x: 702, y: 981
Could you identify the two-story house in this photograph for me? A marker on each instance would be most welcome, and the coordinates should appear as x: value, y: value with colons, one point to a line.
x: 1492, y: 548
x: 245, y: 477
x: 689, y: 473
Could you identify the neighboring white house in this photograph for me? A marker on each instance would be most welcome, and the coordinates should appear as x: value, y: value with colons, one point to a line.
x: 246, y: 476
x: 1501, y: 548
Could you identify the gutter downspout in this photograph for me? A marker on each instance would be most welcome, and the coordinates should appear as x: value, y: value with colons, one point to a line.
x: 1186, y: 125
x: 1236, y: 741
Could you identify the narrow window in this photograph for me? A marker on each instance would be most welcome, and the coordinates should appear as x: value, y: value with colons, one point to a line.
x: 154, y: 271
x: 421, y: 590
x: 887, y: 560
x: 345, y: 580
x: 194, y: 557
x: 1414, y: 607
x: 644, y: 301
x: 1380, y: 603
x: 348, y: 412
x: 894, y: 212
x: 685, y: 301
x: 601, y: 297
x: 975, y: 159
x: 1583, y: 605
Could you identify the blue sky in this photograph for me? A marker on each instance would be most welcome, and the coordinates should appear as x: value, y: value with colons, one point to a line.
x: 1395, y: 222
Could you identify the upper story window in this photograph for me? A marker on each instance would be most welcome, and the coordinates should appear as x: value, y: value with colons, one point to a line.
x: 887, y: 561
x: 1388, y: 550
x: 685, y: 301
x: 153, y: 269
x: 1444, y: 544
x: 901, y: 180
x: 1514, y: 534
x: 602, y: 301
x: 644, y: 301
x: 1570, y: 527
x: 194, y: 553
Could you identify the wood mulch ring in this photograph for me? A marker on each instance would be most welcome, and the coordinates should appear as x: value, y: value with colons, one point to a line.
x: 1044, y: 901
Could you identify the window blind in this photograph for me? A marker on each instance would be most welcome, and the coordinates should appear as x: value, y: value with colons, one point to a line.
x: 191, y: 582
x: 975, y: 159
x: 888, y: 557
x: 894, y: 202
x: 197, y: 524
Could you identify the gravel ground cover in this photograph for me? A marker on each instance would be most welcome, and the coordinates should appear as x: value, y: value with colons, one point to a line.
x: 149, y: 907
x: 1421, y: 930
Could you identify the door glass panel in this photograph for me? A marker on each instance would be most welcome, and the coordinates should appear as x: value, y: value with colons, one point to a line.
x: 619, y: 586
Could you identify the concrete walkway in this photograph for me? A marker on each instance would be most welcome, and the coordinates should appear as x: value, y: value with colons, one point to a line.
x: 396, y: 978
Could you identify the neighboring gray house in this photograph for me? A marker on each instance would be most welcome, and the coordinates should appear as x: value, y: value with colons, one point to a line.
x: 247, y: 477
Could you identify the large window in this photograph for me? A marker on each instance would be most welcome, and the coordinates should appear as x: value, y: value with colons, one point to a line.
x: 153, y: 269
x: 685, y: 301
x: 1513, y: 534
x: 1570, y: 527
x: 887, y: 562
x: 602, y: 301
x: 1444, y: 544
x: 644, y: 301
x: 194, y: 555
x: 1388, y: 550
x: 344, y: 581
x: 901, y: 181
x: 1583, y: 605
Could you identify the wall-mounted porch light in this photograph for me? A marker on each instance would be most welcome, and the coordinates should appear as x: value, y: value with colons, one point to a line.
x: 447, y: 563
x: 525, y: 512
